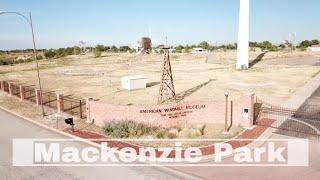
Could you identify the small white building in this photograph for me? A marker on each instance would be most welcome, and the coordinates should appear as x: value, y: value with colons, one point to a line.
x: 134, y: 82
x: 314, y: 48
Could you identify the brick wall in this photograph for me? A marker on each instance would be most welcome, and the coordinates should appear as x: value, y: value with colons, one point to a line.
x: 173, y: 114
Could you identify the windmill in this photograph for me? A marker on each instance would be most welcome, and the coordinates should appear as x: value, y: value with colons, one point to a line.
x: 166, y: 91
x: 243, y: 36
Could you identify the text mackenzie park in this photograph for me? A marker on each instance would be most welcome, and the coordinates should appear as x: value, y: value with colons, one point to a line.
x: 173, y: 109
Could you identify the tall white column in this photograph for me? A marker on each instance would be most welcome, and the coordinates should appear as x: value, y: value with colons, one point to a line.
x: 243, y: 36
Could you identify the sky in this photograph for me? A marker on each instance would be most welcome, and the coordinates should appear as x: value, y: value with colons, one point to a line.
x: 62, y: 23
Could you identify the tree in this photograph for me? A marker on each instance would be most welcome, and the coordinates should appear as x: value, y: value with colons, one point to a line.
x: 124, y: 49
x: 49, y: 54
x: 100, y: 47
x: 305, y: 44
x: 76, y: 50
x: 61, y: 52
x: 266, y: 45
x: 39, y: 57
x: 98, y: 51
x: 114, y: 49
x: 204, y: 45
x: 179, y: 49
x: 315, y: 42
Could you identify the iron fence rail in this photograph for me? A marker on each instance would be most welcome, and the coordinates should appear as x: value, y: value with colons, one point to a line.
x: 72, y: 105
x: 303, y: 120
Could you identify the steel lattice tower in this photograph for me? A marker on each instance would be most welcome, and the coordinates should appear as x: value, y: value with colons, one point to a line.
x: 166, y: 91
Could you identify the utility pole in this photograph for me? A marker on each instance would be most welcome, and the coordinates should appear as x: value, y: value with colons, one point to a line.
x: 29, y: 20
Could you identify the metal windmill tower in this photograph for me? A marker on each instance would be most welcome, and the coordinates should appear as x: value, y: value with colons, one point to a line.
x: 166, y: 91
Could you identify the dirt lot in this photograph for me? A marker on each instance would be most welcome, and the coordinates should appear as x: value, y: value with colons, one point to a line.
x: 273, y: 77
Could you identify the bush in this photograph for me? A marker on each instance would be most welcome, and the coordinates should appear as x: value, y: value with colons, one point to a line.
x: 3, y: 62
x: 127, y: 129
x: 76, y: 50
x: 130, y: 129
x: 39, y: 57
x: 97, y: 53
x: 49, y: 54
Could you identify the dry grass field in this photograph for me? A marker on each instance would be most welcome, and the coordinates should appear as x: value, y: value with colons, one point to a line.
x: 197, y: 77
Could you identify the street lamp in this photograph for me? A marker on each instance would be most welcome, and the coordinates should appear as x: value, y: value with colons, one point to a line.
x: 29, y: 21
x: 226, y: 94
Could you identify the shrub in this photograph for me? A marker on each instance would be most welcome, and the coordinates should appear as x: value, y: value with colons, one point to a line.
x: 49, y: 54
x: 127, y: 129
x: 76, y: 50
x: 39, y: 57
x: 161, y: 134
x: 97, y: 53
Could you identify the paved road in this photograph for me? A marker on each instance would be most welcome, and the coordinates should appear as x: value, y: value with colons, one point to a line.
x: 312, y: 172
x: 13, y: 127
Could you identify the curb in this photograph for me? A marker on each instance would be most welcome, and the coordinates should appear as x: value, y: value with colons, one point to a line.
x: 160, y: 168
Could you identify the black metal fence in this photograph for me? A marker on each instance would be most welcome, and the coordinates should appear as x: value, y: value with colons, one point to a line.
x: 286, y: 120
x: 15, y: 90
x: 49, y: 99
x: 72, y: 106
x: 29, y: 94
x: 75, y: 106
x: 6, y: 86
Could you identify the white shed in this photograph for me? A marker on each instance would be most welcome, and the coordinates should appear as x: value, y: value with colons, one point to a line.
x: 134, y: 82
x: 314, y: 48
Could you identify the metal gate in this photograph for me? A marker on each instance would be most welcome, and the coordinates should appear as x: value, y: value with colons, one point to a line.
x: 75, y: 106
x: 300, y: 122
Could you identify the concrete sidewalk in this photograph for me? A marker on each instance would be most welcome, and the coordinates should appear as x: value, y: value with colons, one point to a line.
x: 303, y: 93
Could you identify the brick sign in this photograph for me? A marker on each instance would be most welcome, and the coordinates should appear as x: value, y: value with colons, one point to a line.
x: 170, y: 115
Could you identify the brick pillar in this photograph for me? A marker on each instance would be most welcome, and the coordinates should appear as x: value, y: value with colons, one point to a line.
x: 60, y: 103
x: 89, y: 120
x: 22, y: 95
x: 10, y: 89
x: 1, y: 85
x: 38, y: 97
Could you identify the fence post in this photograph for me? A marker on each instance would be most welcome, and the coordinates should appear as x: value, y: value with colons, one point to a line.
x: 10, y: 89
x: 22, y: 95
x: 252, y: 110
x: 38, y: 97
x: 80, y: 110
x: 60, y: 103
x: 88, y: 100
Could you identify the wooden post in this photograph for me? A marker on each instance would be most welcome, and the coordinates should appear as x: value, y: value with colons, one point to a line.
x: 89, y: 120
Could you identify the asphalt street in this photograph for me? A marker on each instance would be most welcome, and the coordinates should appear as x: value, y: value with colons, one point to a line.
x: 13, y: 127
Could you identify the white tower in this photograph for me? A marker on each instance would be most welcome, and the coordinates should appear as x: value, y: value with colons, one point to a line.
x: 243, y: 36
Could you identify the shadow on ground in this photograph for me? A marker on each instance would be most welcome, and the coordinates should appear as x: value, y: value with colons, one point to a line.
x: 184, y: 94
x: 257, y: 60
x: 152, y: 84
